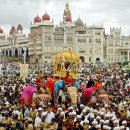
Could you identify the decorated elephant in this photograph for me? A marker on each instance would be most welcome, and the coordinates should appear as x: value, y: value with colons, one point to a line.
x: 53, y: 86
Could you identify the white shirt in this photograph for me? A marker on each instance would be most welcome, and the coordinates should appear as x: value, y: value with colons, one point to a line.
x: 37, y: 121
x: 49, y: 117
x: 128, y: 113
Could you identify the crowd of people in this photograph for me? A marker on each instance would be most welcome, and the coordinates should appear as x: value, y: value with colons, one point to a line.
x: 64, y: 115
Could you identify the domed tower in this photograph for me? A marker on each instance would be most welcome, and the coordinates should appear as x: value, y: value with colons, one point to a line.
x: 45, y: 17
x: 79, y: 22
x: 67, y: 14
x: 37, y: 19
x: 79, y: 26
x: 19, y: 29
x: 13, y: 30
x: 1, y: 31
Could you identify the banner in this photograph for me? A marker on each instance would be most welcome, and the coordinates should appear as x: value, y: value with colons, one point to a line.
x: 24, y: 70
x: 73, y: 94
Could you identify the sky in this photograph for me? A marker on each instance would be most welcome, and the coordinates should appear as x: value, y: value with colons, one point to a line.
x: 109, y: 13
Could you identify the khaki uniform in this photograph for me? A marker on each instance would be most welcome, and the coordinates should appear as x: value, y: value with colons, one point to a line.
x: 53, y: 126
x: 14, y: 123
x: 30, y: 127
x: 2, y: 128
x: 32, y: 114
x: 43, y: 125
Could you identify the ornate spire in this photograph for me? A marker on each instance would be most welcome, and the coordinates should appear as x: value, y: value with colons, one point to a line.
x: 67, y: 5
x: 67, y: 11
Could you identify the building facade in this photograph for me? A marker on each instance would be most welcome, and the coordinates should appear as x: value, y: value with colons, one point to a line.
x: 47, y: 40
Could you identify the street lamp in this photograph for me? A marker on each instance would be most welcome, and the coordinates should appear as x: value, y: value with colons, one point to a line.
x: 24, y: 55
x: 65, y: 33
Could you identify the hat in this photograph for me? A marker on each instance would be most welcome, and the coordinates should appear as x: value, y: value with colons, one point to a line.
x: 84, y: 110
x: 105, y: 127
x: 81, y: 105
x: 39, y: 109
x: 113, y: 118
x: 30, y: 119
x: 59, y: 109
x: 102, y: 113
x: 44, y: 106
x: 106, y: 122
x: 124, y: 122
x: 94, y: 123
x: 74, y: 113
x: 86, y: 121
x: 62, y: 113
x: 70, y: 114
x: 101, y: 121
x: 78, y: 116
x: 115, y: 122
x: 70, y: 108
x: 98, y: 117
x: 98, y: 126
x: 87, y: 108
x: 95, y: 111
x: 107, y: 115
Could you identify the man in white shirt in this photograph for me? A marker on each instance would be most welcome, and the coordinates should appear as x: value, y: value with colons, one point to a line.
x: 38, y: 120
x: 49, y: 116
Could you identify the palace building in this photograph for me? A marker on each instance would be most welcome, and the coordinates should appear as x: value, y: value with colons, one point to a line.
x: 46, y: 40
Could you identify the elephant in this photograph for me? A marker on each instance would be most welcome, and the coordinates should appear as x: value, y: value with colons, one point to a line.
x: 53, y: 86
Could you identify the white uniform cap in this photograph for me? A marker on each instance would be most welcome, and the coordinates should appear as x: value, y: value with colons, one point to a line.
x: 95, y: 111
x: 92, y: 116
x: 86, y: 121
x: 74, y: 113
x: 105, y: 127
x: 107, y: 115
x: 84, y: 110
x: 101, y: 121
x: 59, y: 109
x: 62, y: 113
x: 116, y: 128
x: 98, y: 126
x: 30, y: 119
x: 81, y: 123
x: 124, y: 122
x: 81, y: 105
x: 106, y: 122
x: 98, y: 117
x: 113, y: 118
x: 78, y: 116
x: 102, y: 113
x: 39, y: 109
x: 122, y: 127
x: 94, y: 123
x: 115, y: 121
x: 70, y: 108
x: 70, y: 114
x: 87, y: 108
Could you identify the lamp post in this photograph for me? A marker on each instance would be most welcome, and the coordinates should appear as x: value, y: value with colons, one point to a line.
x: 65, y: 33
x: 24, y: 55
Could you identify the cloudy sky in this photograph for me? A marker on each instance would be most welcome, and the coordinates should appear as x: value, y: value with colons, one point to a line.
x: 108, y: 13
